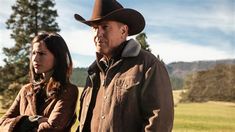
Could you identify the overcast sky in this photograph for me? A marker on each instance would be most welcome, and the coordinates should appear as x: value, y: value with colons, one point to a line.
x: 177, y: 30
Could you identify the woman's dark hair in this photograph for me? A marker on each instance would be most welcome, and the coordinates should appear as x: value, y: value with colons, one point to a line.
x: 63, y: 62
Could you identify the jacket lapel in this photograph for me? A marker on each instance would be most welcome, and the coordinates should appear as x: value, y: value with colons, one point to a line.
x: 31, y: 98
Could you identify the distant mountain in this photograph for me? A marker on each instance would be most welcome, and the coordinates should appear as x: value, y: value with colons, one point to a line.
x: 181, y: 69
x: 176, y: 70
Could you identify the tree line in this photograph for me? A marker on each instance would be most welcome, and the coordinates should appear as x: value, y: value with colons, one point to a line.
x: 26, y: 21
x: 30, y: 17
x: 216, y: 84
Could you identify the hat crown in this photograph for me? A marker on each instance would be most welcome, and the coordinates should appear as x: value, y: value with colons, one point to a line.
x: 104, y: 7
x: 112, y: 10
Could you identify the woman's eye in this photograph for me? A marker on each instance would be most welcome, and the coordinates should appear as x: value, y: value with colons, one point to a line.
x: 33, y: 53
x: 40, y: 53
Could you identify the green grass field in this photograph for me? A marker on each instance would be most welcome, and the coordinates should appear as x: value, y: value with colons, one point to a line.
x: 201, y: 117
x: 205, y: 117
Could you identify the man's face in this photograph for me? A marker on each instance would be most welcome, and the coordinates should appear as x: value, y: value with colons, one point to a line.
x: 108, y: 35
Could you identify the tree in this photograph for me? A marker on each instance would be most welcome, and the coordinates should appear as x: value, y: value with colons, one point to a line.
x: 176, y: 82
x: 141, y: 38
x: 29, y: 17
x: 215, y: 84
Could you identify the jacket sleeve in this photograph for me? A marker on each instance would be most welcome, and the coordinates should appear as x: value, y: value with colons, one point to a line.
x: 63, y: 113
x: 157, y: 99
x: 9, y: 120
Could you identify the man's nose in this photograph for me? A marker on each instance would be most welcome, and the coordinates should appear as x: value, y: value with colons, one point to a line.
x: 99, y: 31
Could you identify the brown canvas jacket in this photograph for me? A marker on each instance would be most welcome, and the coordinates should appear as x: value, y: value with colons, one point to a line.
x: 137, y: 97
x: 59, y: 111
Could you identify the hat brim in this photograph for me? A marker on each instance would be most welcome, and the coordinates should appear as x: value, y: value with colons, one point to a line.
x: 130, y: 17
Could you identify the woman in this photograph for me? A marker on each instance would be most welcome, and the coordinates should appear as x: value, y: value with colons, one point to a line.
x: 48, y: 102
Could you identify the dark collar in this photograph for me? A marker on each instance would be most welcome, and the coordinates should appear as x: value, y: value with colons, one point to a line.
x: 117, y: 53
x: 130, y: 48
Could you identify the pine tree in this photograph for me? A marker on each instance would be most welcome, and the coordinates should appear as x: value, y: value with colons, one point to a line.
x: 141, y: 38
x: 29, y: 17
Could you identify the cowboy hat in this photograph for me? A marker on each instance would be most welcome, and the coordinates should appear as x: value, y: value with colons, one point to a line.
x: 112, y: 10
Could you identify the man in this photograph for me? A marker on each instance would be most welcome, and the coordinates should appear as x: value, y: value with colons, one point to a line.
x: 128, y: 89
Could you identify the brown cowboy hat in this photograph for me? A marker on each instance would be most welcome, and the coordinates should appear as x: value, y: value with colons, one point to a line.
x: 112, y: 10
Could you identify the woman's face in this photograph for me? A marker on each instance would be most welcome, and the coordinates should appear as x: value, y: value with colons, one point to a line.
x: 42, y: 58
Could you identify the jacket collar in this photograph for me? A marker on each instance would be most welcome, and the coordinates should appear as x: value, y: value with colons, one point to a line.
x: 132, y: 49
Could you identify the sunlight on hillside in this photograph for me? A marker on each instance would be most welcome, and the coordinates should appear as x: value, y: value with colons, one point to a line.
x: 212, y: 116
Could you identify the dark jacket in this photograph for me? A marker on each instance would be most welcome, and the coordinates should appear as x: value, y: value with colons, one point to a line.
x: 138, y: 94
x: 59, y: 111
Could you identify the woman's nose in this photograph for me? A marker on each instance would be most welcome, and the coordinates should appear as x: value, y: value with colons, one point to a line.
x: 35, y: 57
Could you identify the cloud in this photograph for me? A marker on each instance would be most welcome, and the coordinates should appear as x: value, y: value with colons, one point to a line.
x: 5, y: 41
x: 200, y: 23
x: 5, y: 6
x: 179, y: 30
x: 175, y: 50
x: 79, y: 41
x: 77, y: 35
x: 1, y: 60
x: 205, y: 14
x: 66, y: 11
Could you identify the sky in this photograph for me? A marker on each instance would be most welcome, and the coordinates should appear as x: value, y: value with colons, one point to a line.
x: 177, y: 30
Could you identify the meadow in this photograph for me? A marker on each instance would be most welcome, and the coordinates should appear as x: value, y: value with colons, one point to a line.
x: 199, y: 117
x: 205, y: 117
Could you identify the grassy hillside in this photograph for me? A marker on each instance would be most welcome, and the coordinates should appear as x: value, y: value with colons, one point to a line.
x: 212, y: 116
x: 205, y: 117
x: 198, y: 117
x: 201, y: 117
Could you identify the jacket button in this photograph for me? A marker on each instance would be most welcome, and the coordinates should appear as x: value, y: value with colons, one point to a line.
x: 102, y: 117
x: 105, y: 97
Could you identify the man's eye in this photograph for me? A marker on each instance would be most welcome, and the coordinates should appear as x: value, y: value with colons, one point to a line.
x: 105, y: 26
x: 94, y: 28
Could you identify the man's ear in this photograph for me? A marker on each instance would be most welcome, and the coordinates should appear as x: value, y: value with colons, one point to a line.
x: 124, y: 29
